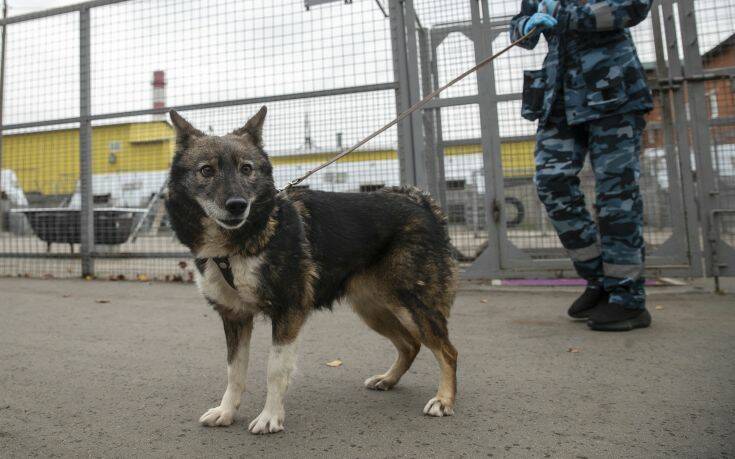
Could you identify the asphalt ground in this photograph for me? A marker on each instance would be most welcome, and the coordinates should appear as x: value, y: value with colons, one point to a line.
x: 97, y: 368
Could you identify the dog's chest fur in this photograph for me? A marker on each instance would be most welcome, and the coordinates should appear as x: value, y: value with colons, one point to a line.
x: 246, y: 276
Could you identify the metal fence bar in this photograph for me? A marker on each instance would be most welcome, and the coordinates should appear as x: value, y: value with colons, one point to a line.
x: 85, y: 144
x: 100, y: 255
x: 3, y: 36
x: 56, y: 11
x: 424, y: 172
x: 485, y: 265
x: 202, y: 106
x: 403, y: 101
x: 434, y: 156
x: 699, y: 125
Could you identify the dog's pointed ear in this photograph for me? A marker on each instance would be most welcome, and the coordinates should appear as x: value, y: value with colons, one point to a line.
x: 254, y: 126
x: 184, y: 130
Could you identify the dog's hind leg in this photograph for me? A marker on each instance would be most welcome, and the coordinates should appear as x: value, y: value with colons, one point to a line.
x: 432, y: 326
x: 237, y: 334
x: 381, y: 319
x: 281, y: 363
x: 446, y: 355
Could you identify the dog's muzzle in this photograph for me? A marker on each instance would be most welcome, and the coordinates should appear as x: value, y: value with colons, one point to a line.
x: 239, y: 209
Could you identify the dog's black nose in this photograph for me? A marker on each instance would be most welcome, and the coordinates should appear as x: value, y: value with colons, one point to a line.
x: 236, y: 206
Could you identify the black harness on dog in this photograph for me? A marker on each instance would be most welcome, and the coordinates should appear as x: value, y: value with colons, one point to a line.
x: 223, y: 263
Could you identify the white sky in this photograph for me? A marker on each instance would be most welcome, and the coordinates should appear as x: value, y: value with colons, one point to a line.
x: 220, y: 50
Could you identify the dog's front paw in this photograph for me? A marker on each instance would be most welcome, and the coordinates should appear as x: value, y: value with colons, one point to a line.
x: 218, y: 416
x: 267, y: 422
x: 438, y: 407
x: 379, y: 382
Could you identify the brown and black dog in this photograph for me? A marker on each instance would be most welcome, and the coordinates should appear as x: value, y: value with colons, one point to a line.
x: 386, y: 253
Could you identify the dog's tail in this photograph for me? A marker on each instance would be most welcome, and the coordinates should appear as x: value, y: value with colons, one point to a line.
x: 421, y: 198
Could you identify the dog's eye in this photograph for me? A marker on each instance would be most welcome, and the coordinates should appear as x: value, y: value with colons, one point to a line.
x: 246, y: 168
x: 206, y: 171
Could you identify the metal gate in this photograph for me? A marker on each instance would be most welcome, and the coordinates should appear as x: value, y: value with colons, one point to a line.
x: 79, y: 137
x: 706, y: 72
x: 496, y: 220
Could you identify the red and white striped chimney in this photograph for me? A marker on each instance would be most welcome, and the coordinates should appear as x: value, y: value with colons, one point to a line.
x: 159, y: 94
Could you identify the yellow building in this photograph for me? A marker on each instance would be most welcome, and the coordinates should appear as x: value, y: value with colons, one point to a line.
x: 47, y: 162
x: 516, y: 157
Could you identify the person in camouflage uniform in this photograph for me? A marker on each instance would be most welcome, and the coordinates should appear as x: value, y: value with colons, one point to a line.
x: 591, y: 97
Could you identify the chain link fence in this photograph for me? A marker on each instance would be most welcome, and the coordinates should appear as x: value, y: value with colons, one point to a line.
x: 326, y: 75
x: 716, y: 36
x: 97, y: 78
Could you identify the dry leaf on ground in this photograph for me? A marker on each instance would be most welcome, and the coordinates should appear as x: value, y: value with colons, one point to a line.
x: 335, y: 363
x: 573, y: 350
x: 659, y: 307
x: 102, y: 301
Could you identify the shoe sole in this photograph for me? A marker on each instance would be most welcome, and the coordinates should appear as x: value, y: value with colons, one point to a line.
x: 578, y: 318
x: 581, y: 315
x: 623, y: 325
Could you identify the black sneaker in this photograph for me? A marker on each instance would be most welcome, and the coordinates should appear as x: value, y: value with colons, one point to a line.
x: 615, y: 317
x: 583, y: 305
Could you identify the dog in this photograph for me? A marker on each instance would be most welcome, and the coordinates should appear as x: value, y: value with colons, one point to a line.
x: 286, y: 255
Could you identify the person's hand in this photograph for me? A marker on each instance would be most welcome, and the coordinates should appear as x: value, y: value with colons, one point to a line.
x: 548, y: 7
x: 539, y: 21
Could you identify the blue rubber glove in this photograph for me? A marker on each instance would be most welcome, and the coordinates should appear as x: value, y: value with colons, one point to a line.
x: 540, y: 21
x: 548, y: 7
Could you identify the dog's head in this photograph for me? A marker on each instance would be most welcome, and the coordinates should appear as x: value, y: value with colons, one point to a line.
x: 228, y: 176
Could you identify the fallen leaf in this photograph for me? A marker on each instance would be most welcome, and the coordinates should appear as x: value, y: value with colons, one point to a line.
x: 335, y: 363
x: 142, y: 277
x: 483, y: 301
x: 102, y: 301
x: 66, y: 295
x: 659, y: 307
x: 573, y: 350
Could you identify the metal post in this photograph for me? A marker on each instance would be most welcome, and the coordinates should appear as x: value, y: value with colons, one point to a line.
x: 3, y: 36
x: 434, y: 157
x: 85, y: 145
x: 708, y: 193
x: 676, y: 140
x: 423, y: 165
x: 437, y: 124
x: 488, y: 263
x: 403, y: 101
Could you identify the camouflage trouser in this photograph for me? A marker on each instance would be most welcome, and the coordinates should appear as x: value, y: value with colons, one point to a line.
x: 609, y: 253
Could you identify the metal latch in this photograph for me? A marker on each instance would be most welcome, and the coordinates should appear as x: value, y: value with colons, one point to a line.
x: 496, y: 211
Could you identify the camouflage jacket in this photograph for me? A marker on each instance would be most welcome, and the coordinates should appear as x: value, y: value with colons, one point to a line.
x: 591, y: 59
